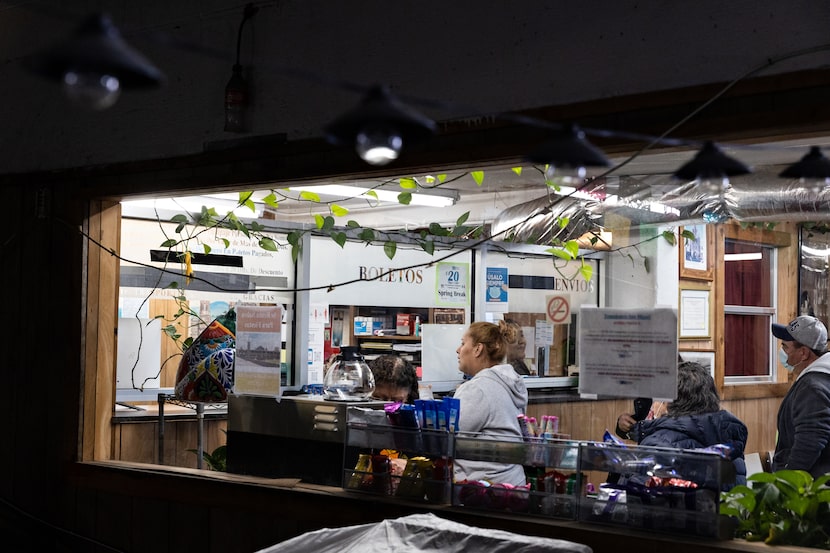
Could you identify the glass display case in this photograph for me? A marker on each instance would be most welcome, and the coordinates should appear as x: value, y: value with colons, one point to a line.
x: 656, y: 489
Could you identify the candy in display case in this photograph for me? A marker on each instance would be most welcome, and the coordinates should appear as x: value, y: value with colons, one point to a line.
x: 550, y: 466
x: 404, y: 462
x: 657, y: 489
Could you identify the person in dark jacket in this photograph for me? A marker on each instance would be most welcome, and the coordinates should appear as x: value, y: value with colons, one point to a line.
x: 693, y: 420
x: 804, y: 414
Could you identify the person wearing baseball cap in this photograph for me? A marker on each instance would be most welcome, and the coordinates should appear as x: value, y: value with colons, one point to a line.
x: 804, y: 415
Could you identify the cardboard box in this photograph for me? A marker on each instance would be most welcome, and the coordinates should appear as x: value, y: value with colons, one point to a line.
x: 403, y: 324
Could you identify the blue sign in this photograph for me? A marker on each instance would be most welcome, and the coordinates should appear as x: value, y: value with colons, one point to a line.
x: 497, y: 284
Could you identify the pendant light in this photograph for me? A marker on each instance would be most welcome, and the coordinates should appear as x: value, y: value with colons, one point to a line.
x: 567, y: 153
x: 95, y: 64
x: 711, y: 168
x: 380, y: 127
x: 709, y: 173
x: 812, y: 170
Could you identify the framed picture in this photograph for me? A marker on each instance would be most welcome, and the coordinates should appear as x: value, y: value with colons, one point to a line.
x: 705, y: 358
x: 695, y: 312
x: 696, y: 255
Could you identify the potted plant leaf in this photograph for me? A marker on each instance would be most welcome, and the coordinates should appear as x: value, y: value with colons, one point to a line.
x: 786, y: 507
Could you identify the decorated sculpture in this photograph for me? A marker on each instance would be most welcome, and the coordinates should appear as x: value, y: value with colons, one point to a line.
x: 206, y: 370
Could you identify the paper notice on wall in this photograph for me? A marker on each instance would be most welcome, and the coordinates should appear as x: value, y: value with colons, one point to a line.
x: 628, y: 353
x: 258, y: 343
x: 318, y: 317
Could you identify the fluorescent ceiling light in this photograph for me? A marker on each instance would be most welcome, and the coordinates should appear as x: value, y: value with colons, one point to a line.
x: 433, y: 198
x: 193, y: 204
x: 754, y: 256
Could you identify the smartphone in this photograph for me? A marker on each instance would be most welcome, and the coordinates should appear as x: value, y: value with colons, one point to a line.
x: 642, y: 405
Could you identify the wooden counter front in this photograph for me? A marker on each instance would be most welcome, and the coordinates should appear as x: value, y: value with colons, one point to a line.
x: 258, y: 512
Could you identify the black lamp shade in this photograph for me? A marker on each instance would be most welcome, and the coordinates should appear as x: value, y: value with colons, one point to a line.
x: 711, y: 162
x: 568, y: 147
x: 380, y: 108
x: 814, y: 165
x: 97, y: 47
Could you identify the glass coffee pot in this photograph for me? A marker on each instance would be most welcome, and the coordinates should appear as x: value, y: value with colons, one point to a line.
x: 349, y: 378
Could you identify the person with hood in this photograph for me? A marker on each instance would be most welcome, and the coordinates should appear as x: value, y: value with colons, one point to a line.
x: 491, y: 400
x: 694, y: 420
x: 804, y: 414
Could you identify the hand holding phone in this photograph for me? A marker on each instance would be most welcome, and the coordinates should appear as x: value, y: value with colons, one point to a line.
x: 642, y: 405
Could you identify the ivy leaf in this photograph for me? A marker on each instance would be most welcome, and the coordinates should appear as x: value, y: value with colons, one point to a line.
x: 168, y: 243
x: 442, y: 177
x: 271, y: 200
x: 267, y: 244
x: 245, y: 198
x: 408, y: 183
x: 428, y: 246
x: 179, y: 218
x: 310, y: 196
x: 339, y: 238
x: 688, y: 235
x: 389, y: 248
x: 371, y: 194
x: 367, y: 235
x: 295, y: 252
x: 206, y: 248
x: 226, y: 242
x: 478, y: 176
x: 573, y: 248
x: 328, y: 223
x: 437, y: 230
x: 429, y: 179
x: 405, y: 198
x: 318, y: 220
x: 293, y: 237
x: 563, y: 221
x: 339, y: 211
x: 669, y: 237
x: 586, y: 271
x: 517, y: 170
x: 647, y: 265
x: 352, y: 224
x: 560, y: 253
x: 463, y: 219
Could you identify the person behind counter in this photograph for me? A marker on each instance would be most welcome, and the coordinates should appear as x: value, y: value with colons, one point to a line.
x: 395, y: 379
x: 516, y: 351
x: 491, y: 400
x: 693, y: 420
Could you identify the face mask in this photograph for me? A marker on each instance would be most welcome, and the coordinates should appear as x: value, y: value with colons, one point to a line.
x: 782, y: 357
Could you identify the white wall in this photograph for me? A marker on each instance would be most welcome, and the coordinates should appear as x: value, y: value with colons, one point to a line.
x: 486, y: 56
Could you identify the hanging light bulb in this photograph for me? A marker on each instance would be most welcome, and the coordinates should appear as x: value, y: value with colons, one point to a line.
x: 812, y: 171
x: 378, y: 144
x: 95, y: 64
x: 567, y: 154
x: 91, y: 90
x: 379, y: 127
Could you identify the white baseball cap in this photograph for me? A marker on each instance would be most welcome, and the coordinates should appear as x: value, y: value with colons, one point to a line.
x: 805, y: 330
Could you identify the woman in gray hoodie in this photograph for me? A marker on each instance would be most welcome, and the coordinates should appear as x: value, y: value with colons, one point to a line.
x: 491, y: 400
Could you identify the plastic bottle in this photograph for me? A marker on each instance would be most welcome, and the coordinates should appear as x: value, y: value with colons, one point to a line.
x: 417, y: 325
